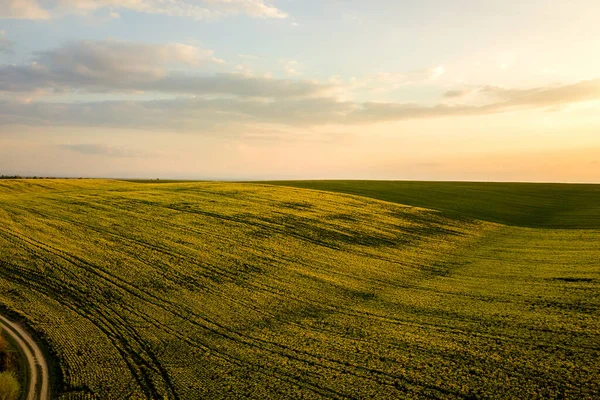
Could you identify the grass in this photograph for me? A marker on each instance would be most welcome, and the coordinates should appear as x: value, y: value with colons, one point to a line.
x: 534, y: 205
x: 9, y: 386
x: 231, y: 290
x: 11, y: 374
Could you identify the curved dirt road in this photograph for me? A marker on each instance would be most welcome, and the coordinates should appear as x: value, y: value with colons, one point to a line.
x: 37, y: 367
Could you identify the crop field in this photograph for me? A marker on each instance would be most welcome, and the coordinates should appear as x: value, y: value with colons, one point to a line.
x: 539, y: 205
x: 239, y: 290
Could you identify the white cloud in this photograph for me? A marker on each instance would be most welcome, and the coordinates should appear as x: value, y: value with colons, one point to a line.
x: 254, y: 8
x: 22, y: 9
x: 290, y: 67
x: 436, y: 72
x: 244, y: 69
x: 197, y: 9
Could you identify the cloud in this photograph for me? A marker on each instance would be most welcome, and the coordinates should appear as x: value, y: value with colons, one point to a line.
x: 116, y: 57
x: 120, y: 66
x: 196, y: 9
x: 254, y: 8
x: 6, y: 46
x: 389, y: 81
x: 212, y: 100
x: 97, y: 64
x: 456, y: 93
x: 185, y: 114
x: 238, y: 85
x: 545, y: 96
x: 550, y: 96
x: 100, y: 149
x: 214, y: 114
x: 430, y: 74
x: 507, y: 100
x: 22, y: 9
x: 291, y: 67
x: 117, y: 66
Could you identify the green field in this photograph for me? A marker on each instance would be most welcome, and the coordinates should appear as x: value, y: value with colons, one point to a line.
x: 548, y: 205
x: 238, y: 290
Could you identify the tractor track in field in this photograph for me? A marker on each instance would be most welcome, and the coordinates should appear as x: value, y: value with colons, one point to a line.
x: 37, y: 367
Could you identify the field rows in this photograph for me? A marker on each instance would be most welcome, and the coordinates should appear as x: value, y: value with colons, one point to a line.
x: 213, y: 290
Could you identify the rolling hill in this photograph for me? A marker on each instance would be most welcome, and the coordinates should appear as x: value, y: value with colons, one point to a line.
x: 238, y: 290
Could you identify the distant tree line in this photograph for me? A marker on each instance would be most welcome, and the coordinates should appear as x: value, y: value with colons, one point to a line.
x: 30, y: 177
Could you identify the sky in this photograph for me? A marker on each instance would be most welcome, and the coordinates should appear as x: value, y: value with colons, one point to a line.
x: 485, y: 90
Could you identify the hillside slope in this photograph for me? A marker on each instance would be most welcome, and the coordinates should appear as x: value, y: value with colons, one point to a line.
x: 548, y: 205
x: 222, y: 290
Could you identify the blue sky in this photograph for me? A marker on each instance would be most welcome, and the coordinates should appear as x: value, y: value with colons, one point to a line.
x: 461, y: 90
